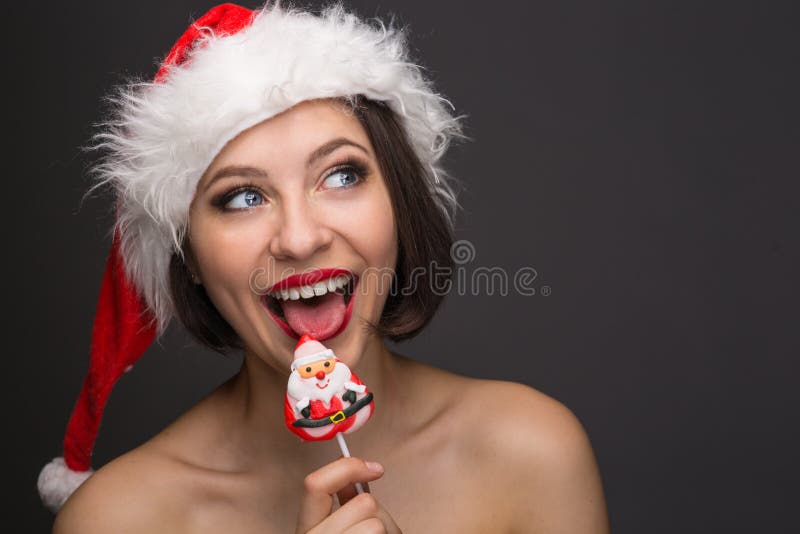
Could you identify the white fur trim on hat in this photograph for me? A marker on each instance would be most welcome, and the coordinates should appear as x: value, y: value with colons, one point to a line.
x: 164, y: 135
x: 57, y: 482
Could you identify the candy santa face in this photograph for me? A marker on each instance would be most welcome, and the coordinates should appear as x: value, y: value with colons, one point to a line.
x: 319, y: 380
x: 323, y: 396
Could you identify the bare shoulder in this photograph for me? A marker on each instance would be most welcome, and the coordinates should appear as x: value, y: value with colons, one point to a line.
x: 128, y: 495
x: 525, y: 420
x: 505, y: 407
x: 531, y: 464
x: 518, y: 420
x: 536, y: 445
x: 171, y: 483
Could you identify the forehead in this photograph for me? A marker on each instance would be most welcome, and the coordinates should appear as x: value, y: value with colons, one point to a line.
x: 289, y: 137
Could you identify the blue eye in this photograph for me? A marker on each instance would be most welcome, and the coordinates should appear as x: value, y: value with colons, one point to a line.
x: 245, y: 199
x: 341, y: 178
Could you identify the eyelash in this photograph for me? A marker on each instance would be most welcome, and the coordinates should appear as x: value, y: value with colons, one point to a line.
x: 350, y: 164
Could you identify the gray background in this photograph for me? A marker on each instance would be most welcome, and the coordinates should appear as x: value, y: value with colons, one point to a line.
x: 641, y: 156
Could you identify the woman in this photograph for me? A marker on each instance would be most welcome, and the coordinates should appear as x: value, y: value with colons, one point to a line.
x: 275, y: 143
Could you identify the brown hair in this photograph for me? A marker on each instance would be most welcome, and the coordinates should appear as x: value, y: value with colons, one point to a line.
x: 424, y: 241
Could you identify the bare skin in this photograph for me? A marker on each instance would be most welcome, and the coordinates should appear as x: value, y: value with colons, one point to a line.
x: 442, y: 453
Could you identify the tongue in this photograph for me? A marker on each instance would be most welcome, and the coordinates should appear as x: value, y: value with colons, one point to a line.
x: 320, y: 319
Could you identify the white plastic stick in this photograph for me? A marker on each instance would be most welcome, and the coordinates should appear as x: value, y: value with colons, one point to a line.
x: 346, y: 454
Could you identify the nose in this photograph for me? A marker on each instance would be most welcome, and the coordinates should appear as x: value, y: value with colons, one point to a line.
x: 320, y: 375
x: 301, y: 233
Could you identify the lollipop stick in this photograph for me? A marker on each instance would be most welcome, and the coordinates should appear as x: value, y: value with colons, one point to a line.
x: 346, y: 454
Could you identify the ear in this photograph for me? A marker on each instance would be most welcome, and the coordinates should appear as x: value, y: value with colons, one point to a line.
x: 190, y: 261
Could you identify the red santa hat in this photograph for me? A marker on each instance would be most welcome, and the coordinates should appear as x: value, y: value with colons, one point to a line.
x: 309, y: 350
x: 232, y: 69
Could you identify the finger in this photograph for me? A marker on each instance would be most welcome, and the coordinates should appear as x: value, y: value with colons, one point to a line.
x: 360, y: 508
x: 356, y: 508
x: 388, y: 522
x: 320, y: 486
x: 348, y: 492
x: 372, y: 525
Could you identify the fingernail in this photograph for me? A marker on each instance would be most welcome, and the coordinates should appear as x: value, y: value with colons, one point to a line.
x: 374, y: 466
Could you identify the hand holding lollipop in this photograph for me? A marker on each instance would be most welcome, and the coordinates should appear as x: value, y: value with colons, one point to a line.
x: 325, y: 399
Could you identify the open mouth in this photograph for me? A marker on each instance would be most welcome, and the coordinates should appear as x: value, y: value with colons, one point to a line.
x: 298, y: 311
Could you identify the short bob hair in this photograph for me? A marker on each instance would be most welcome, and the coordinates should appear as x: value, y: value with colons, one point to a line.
x: 425, y: 238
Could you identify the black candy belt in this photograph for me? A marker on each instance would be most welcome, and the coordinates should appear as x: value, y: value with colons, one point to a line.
x: 336, y: 418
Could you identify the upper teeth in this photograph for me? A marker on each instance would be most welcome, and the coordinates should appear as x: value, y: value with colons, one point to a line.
x: 313, y: 290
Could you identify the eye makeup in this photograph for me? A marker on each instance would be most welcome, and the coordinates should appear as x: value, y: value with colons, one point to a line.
x: 222, y: 201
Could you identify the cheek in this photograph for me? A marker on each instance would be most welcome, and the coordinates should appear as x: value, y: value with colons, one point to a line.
x: 226, y: 258
x: 372, y: 232
x: 375, y: 233
x: 212, y: 260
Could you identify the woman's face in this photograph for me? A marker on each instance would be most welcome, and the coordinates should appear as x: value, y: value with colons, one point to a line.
x: 297, y: 193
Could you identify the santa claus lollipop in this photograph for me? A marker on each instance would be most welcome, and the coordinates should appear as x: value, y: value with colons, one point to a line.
x: 324, y: 398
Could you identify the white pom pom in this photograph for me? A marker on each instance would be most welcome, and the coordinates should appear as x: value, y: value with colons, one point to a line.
x: 57, y: 482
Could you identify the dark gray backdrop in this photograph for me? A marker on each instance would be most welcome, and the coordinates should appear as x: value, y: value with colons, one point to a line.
x: 641, y: 156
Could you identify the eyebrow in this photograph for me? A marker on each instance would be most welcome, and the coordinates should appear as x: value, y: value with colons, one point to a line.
x: 247, y: 171
x: 236, y: 170
x: 329, y: 147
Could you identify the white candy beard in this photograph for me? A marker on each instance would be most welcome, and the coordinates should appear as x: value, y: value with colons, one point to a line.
x: 300, y: 387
